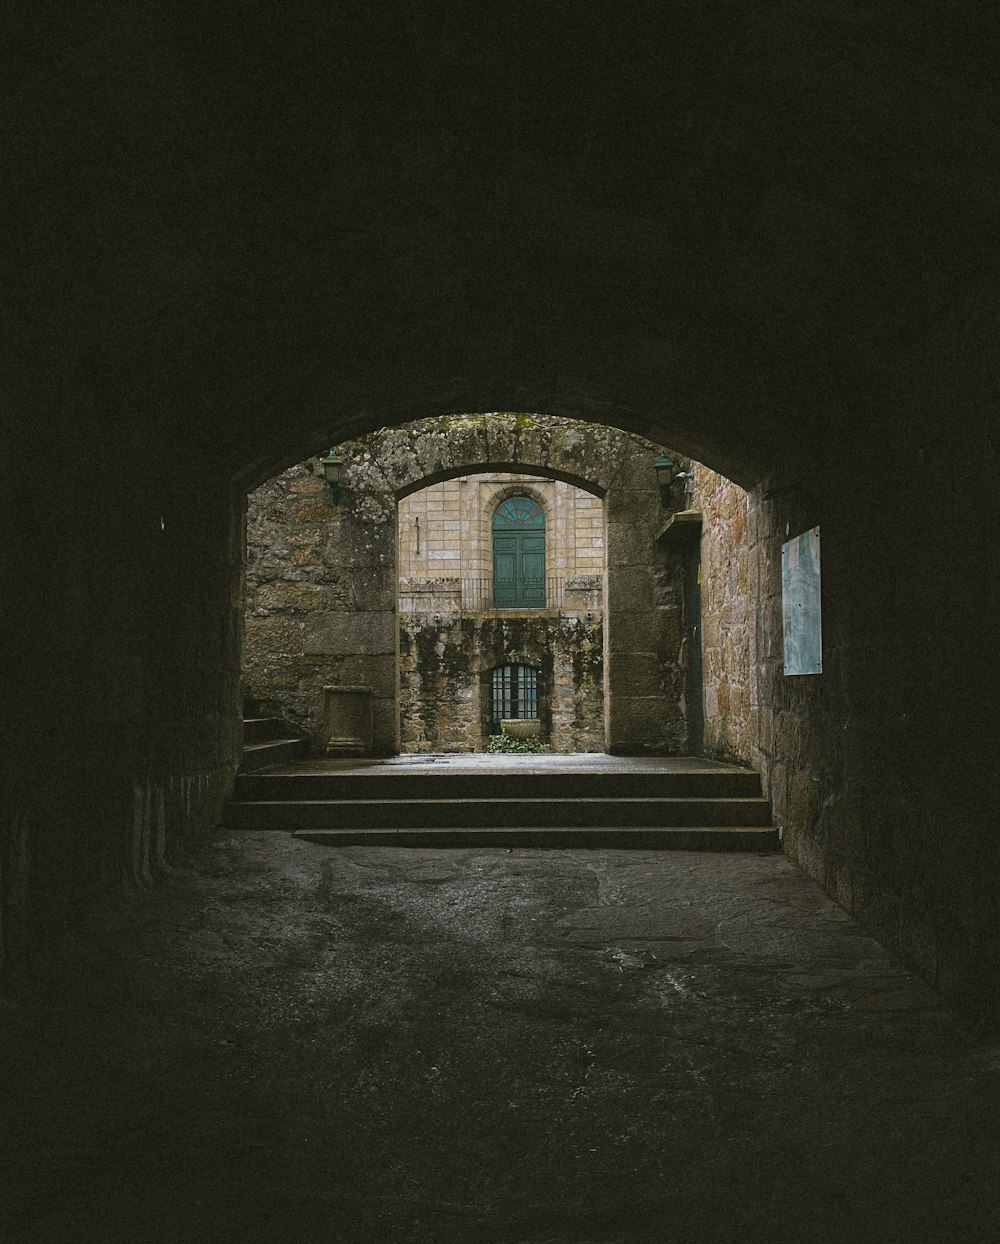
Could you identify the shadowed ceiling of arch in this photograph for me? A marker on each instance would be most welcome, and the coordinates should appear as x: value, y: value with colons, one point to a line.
x: 700, y: 221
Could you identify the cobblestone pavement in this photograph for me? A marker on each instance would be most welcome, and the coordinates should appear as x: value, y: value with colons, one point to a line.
x: 285, y: 1042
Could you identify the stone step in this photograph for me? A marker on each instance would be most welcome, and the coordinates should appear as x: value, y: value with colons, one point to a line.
x: 272, y: 752
x: 676, y: 838
x: 495, y: 813
x: 262, y: 729
x: 385, y: 784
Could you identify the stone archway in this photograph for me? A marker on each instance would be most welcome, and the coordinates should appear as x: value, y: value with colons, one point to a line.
x: 348, y: 630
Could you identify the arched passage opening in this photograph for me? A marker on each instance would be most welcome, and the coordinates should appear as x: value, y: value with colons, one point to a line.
x: 617, y: 641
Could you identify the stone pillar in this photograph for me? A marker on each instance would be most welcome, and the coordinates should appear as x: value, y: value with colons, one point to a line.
x: 355, y: 634
x: 642, y: 622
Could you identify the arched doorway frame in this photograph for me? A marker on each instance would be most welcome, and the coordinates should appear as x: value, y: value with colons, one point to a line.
x: 524, y: 592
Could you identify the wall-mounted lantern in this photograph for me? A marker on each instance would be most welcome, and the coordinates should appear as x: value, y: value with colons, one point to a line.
x: 332, y: 466
x: 664, y: 468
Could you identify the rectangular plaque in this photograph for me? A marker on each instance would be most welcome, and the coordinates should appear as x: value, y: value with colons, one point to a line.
x: 800, y: 604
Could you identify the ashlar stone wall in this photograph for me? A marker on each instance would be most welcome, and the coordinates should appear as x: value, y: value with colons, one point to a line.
x: 445, y: 530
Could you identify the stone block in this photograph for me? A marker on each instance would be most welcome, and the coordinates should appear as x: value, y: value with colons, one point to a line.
x: 640, y: 722
x: 375, y: 592
x: 347, y: 720
x: 803, y: 799
x: 385, y: 726
x: 629, y: 545
x: 376, y: 671
x: 633, y: 674
x: 304, y: 537
x: 301, y: 597
x: 630, y: 587
x: 350, y: 633
x: 787, y: 735
x: 317, y: 509
x: 633, y: 630
x: 311, y: 485
x: 264, y: 637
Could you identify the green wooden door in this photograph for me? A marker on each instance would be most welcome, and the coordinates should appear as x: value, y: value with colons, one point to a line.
x: 519, y: 555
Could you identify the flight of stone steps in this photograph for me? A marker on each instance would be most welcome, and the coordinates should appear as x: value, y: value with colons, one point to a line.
x: 705, y: 808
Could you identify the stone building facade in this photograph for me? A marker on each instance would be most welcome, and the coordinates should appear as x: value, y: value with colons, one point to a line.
x: 456, y: 639
x: 337, y: 594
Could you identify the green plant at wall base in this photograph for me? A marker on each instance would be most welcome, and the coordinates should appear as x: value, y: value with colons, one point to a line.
x: 504, y: 742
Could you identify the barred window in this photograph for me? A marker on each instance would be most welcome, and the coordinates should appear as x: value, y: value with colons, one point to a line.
x: 515, y: 693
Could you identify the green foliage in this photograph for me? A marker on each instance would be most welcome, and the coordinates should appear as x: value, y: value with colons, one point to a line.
x: 504, y: 742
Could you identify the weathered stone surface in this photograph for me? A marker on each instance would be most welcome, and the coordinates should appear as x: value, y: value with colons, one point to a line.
x: 317, y: 509
x: 634, y: 673
x: 630, y: 543
x: 729, y: 607
x: 636, y: 629
x: 268, y: 637
x: 350, y: 634
x: 444, y: 660
x: 361, y: 670
x: 624, y: 988
x: 295, y: 597
x: 310, y: 484
x: 630, y: 589
x: 646, y: 724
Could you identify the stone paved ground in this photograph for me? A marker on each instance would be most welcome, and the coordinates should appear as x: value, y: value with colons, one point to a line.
x: 290, y: 1043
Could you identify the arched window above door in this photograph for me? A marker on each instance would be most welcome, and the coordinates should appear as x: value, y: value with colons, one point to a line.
x: 519, y: 554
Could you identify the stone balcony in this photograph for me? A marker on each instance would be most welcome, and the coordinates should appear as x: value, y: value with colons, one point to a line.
x: 565, y: 595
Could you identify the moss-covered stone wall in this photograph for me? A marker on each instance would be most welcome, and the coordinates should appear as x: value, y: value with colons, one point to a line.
x: 445, y: 678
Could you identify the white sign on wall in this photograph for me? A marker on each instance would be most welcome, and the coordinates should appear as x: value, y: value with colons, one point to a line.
x: 800, y: 604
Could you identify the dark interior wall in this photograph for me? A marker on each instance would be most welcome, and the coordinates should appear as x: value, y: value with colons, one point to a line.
x: 763, y: 235
x: 881, y: 768
x: 121, y: 624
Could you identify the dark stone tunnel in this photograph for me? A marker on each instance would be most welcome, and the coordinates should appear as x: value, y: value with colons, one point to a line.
x: 764, y: 235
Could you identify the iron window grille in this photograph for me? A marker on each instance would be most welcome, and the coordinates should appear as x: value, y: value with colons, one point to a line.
x: 515, y: 694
